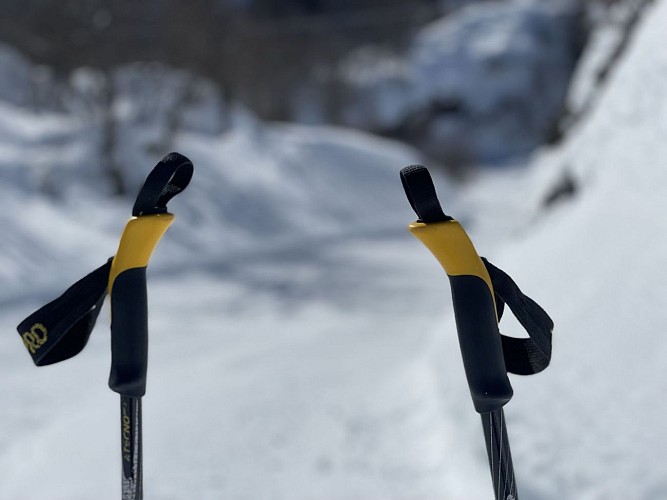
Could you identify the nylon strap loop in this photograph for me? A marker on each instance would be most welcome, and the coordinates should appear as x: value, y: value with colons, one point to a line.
x: 60, y: 329
x: 169, y: 177
x: 421, y: 194
x: 523, y: 356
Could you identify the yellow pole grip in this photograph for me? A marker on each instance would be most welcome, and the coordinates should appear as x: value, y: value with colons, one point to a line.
x: 451, y: 246
x: 139, y: 239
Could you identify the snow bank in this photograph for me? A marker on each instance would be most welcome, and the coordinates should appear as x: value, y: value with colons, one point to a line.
x: 256, y: 186
x: 483, y: 84
x: 591, y: 425
x: 493, y: 77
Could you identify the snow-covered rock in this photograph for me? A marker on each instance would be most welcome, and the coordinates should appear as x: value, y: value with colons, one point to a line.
x: 493, y: 76
x: 483, y: 84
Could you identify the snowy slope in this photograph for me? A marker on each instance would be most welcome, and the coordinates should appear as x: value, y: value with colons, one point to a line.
x: 591, y: 425
x: 607, y: 249
x: 324, y: 364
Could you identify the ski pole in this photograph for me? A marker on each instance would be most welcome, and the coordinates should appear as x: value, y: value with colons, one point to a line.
x: 61, y: 328
x: 129, y: 313
x: 479, y: 292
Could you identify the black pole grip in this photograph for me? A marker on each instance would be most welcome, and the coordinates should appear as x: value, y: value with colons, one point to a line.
x: 479, y: 339
x: 129, y: 333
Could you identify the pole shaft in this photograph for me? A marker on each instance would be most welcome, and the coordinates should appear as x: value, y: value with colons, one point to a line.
x: 500, y: 456
x: 131, y: 447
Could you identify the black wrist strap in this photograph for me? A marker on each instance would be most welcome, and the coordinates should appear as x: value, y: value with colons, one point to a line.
x: 61, y: 328
x: 523, y: 356
x: 421, y: 194
x: 169, y: 177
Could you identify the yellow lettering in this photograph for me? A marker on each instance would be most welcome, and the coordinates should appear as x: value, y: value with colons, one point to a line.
x: 35, y: 338
x: 126, y: 434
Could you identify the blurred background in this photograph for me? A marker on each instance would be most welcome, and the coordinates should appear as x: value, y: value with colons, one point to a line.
x: 466, y: 82
x: 302, y: 344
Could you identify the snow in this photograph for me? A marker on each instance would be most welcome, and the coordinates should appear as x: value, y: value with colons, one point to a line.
x: 498, y: 71
x: 484, y: 84
x: 380, y: 90
x: 302, y: 343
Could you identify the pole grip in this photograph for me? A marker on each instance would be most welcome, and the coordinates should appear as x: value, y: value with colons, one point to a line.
x: 474, y: 310
x: 129, y: 333
x: 129, y: 305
